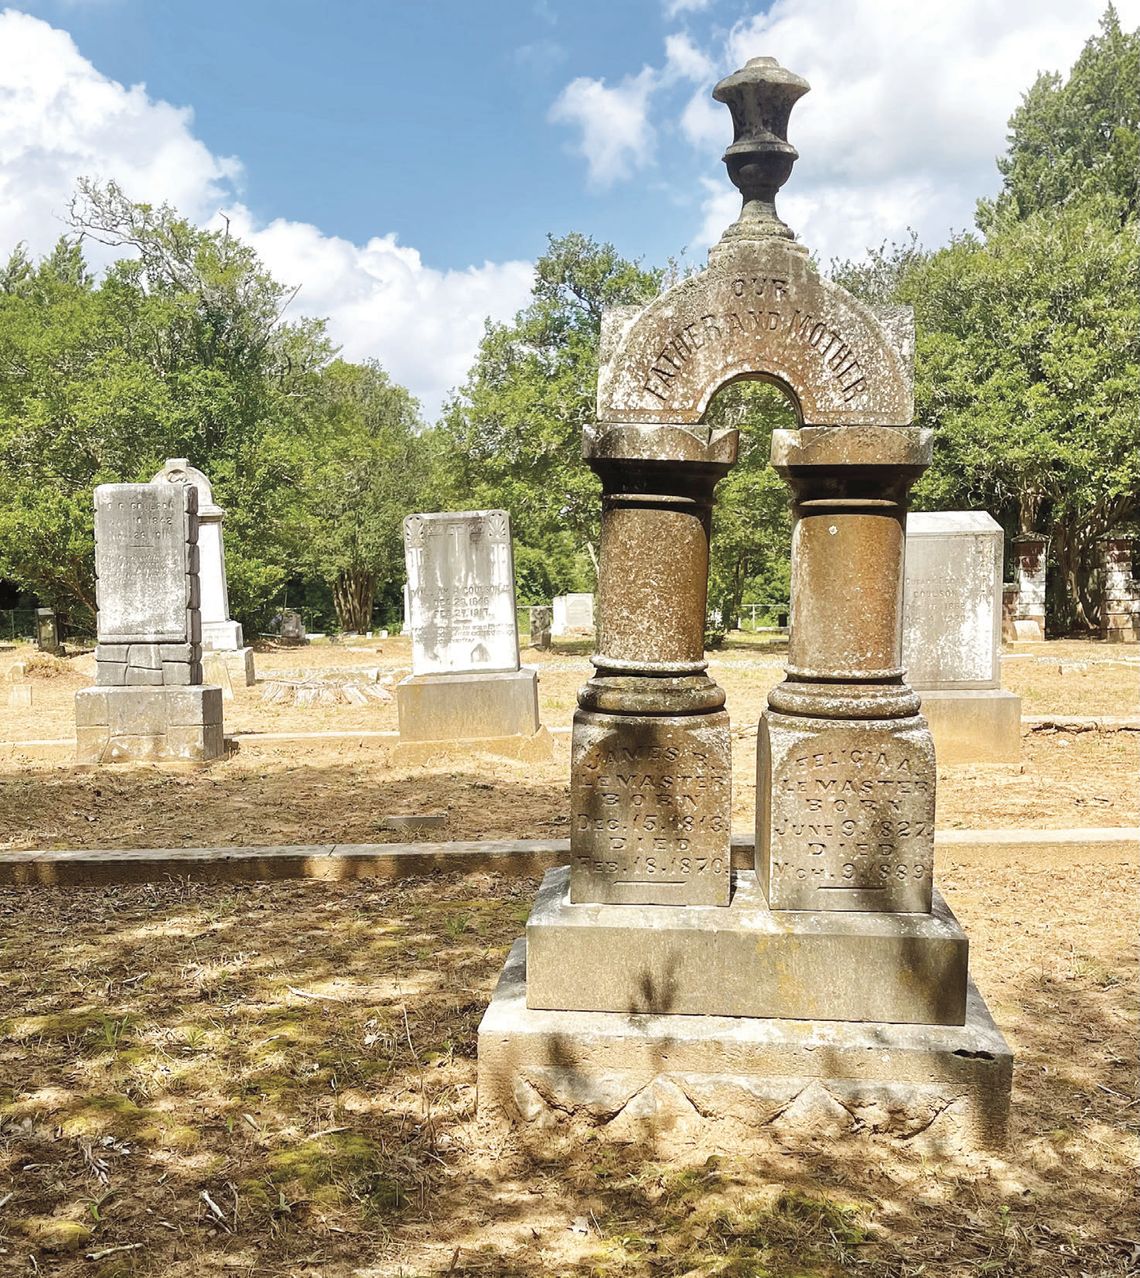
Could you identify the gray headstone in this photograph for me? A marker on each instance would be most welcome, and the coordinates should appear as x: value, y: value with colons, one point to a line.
x: 145, y: 538
x: 573, y: 613
x: 461, y: 592
x: 952, y: 600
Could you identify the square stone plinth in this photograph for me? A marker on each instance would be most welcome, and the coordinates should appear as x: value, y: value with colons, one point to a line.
x: 974, y: 726
x: 635, y: 1077
x: 745, y: 960
x: 149, y: 725
x: 845, y: 813
x: 450, y: 708
x: 650, y: 809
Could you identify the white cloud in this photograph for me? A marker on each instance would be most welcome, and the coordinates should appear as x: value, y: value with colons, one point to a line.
x: 675, y: 7
x: 908, y: 108
x: 61, y: 119
x: 685, y: 61
x: 616, y: 133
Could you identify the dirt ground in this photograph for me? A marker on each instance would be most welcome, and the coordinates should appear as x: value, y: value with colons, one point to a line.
x: 278, y: 1079
x: 338, y: 789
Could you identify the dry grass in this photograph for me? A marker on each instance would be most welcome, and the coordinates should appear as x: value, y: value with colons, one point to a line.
x: 279, y: 1080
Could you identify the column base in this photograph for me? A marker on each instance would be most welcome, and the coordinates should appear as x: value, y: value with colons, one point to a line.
x: 639, y: 1077
x: 744, y: 961
x: 973, y: 725
x: 149, y: 725
x: 221, y: 636
x: 450, y: 709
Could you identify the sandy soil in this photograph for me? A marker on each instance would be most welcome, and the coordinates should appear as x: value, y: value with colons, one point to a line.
x: 338, y: 789
x: 279, y: 1080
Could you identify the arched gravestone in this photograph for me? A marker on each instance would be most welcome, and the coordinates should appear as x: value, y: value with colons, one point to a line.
x: 830, y: 982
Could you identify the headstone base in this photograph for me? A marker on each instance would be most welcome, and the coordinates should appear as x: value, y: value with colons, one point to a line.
x: 222, y: 635
x: 974, y: 725
x: 744, y: 960
x: 149, y: 725
x: 537, y: 748
x: 1029, y: 630
x: 1122, y: 629
x: 454, y: 708
x: 635, y: 1077
x: 238, y: 661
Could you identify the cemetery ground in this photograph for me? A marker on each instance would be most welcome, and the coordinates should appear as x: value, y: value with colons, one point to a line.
x: 278, y: 1078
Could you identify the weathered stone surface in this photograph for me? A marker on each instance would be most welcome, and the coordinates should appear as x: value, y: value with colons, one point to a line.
x: 974, y: 725
x: 467, y: 707
x: 218, y: 630
x: 572, y: 614
x: 149, y: 724
x: 142, y: 537
x: 461, y: 588
x: 541, y: 623
x: 942, y: 1087
x: 47, y: 631
x: 761, y: 307
x: 952, y: 600
x: 19, y: 696
x: 650, y: 804
x: 849, y: 819
x: 1030, y: 552
x: 1119, y: 591
x: 744, y: 961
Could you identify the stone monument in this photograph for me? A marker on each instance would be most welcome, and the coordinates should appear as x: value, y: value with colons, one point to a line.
x: 952, y: 625
x: 220, y: 634
x: 149, y: 703
x: 467, y: 690
x: 541, y: 619
x: 1029, y: 554
x: 573, y: 614
x: 827, y: 987
x: 47, y: 632
x: 1119, y: 590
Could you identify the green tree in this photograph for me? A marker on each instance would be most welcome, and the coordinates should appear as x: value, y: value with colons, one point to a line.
x: 181, y: 350
x: 363, y: 470
x: 512, y: 436
x: 1077, y: 137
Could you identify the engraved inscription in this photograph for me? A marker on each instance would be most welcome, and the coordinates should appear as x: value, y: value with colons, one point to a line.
x: 651, y: 822
x: 766, y: 306
x: 141, y: 561
x: 852, y: 827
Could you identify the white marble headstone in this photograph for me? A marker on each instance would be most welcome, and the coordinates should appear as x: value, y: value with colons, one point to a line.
x: 461, y: 592
x: 572, y: 613
x: 952, y: 600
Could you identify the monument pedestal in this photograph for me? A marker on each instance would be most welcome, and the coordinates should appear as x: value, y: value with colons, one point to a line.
x: 973, y: 725
x: 744, y: 960
x: 225, y: 641
x: 496, y: 713
x: 149, y: 724
x: 635, y: 1076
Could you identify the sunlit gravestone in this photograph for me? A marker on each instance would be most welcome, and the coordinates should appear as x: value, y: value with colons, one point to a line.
x: 952, y: 629
x: 826, y: 988
x: 221, y: 635
x: 467, y: 690
x: 150, y: 703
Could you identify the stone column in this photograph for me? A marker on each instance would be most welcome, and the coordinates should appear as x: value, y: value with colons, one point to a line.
x: 650, y: 788
x: 1119, y: 591
x: 845, y: 763
x: 1029, y: 551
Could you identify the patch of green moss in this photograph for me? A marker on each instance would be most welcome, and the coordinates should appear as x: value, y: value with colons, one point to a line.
x: 69, y: 1024
x: 113, y: 1115
x: 55, y: 1233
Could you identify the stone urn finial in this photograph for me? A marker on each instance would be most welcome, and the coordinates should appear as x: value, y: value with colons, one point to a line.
x: 760, y: 97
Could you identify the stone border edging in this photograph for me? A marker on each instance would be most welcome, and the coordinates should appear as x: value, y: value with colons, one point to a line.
x: 520, y: 857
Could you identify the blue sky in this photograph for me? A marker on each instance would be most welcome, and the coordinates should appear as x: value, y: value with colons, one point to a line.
x: 403, y: 162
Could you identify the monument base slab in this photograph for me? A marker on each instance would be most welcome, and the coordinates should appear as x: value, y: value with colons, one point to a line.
x: 537, y: 748
x: 1029, y: 630
x: 636, y: 1077
x: 149, y: 725
x: 470, y: 707
x: 238, y: 662
x: 744, y: 960
x: 222, y: 636
x: 973, y: 725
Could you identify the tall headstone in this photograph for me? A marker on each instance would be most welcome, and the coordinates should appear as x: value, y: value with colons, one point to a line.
x: 467, y: 689
x: 952, y: 624
x: 832, y: 978
x: 541, y: 618
x: 220, y: 633
x: 47, y: 631
x: 1029, y: 556
x: 573, y: 615
x: 149, y: 703
x: 1119, y: 590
